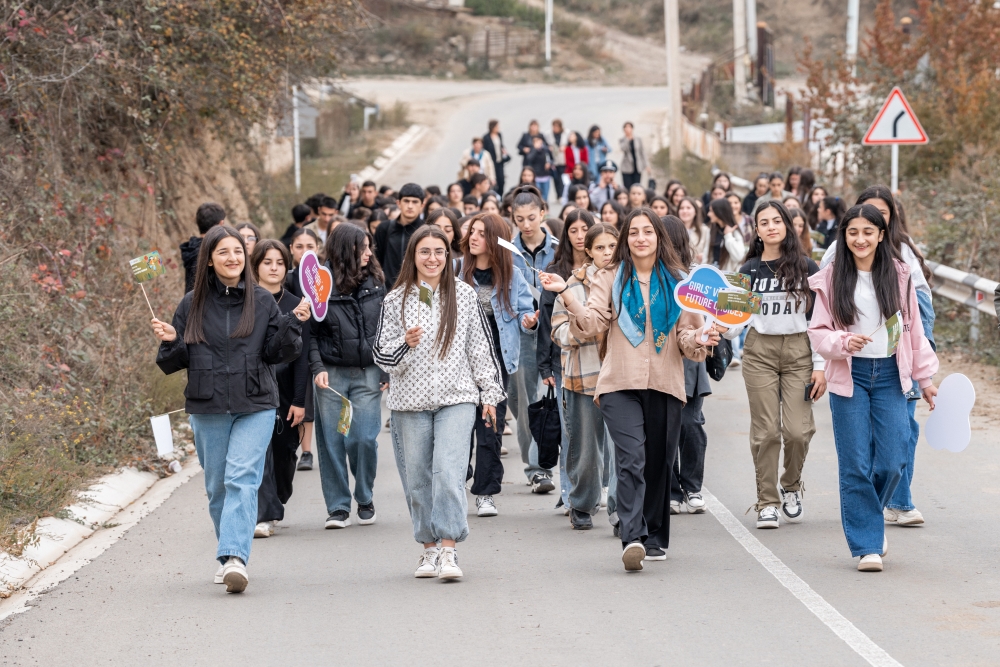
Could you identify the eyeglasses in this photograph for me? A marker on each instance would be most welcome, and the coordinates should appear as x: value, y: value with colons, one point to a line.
x: 425, y: 253
x: 247, y: 239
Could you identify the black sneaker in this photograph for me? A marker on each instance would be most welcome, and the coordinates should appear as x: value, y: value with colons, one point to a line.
x: 541, y: 484
x: 366, y: 514
x: 655, y: 553
x: 617, y: 530
x: 580, y: 520
x: 339, y: 519
x: 306, y: 462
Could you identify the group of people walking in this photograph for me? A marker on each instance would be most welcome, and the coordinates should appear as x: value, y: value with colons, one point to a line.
x: 461, y: 317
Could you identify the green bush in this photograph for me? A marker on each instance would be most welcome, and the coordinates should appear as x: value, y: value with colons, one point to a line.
x: 530, y: 16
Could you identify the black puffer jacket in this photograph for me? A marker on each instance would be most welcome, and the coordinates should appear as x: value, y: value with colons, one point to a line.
x: 346, y: 335
x: 232, y: 375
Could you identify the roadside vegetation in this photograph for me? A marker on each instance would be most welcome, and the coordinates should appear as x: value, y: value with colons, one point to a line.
x: 943, y: 54
x: 110, y: 111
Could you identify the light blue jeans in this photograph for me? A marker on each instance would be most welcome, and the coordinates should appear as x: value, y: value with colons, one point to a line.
x: 522, y: 391
x: 902, y: 499
x: 358, y: 449
x: 584, y: 462
x: 432, y: 455
x: 231, y: 450
x: 871, y: 433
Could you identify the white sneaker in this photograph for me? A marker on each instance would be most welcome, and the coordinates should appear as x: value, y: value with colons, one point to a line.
x: 234, y: 575
x: 767, y: 518
x: 427, y: 565
x: 503, y: 450
x: 262, y: 529
x: 448, y: 563
x: 604, y: 497
x: 885, y: 546
x: 695, y: 503
x: 903, y: 518
x: 870, y: 563
x: 632, y: 556
x: 485, y: 506
x: 218, y: 575
x: 791, y: 506
x: 675, y: 507
x: 507, y: 430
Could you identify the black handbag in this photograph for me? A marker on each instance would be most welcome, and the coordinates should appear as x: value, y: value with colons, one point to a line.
x: 543, y: 420
x: 718, y: 359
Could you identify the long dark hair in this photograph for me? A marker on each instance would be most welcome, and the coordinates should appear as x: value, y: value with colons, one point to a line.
x: 898, y: 234
x: 408, y: 279
x: 456, y: 230
x: 698, y: 224
x: 574, y: 189
x: 836, y: 206
x: 792, y: 268
x: 590, y: 135
x: 501, y: 261
x: 194, y: 331
x: 562, y: 264
x: 260, y: 252
x: 805, y: 239
x: 665, y: 251
x: 885, y: 278
x: 617, y: 208
x: 343, y: 255
x: 723, y: 210
x: 679, y: 237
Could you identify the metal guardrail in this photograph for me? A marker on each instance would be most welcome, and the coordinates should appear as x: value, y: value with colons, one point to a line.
x: 966, y: 288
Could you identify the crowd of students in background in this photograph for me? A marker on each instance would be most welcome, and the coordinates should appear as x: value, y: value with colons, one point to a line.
x: 463, y: 305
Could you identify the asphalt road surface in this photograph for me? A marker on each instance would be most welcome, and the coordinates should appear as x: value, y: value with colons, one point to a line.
x: 536, y: 591
x: 457, y: 111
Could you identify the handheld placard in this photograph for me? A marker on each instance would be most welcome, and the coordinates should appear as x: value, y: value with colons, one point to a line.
x: 699, y: 293
x: 317, y: 283
x: 146, y: 268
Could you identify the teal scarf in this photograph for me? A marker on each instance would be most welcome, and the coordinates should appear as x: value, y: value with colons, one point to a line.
x: 631, y: 309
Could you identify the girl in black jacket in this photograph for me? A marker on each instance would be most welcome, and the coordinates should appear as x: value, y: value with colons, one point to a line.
x: 228, y: 333
x: 341, y: 359
x: 270, y: 260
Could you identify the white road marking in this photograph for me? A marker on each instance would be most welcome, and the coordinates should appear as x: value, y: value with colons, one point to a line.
x: 813, y: 601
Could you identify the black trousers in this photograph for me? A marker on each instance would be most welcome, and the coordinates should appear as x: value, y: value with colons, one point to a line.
x: 645, y: 426
x: 279, y: 469
x: 488, y: 474
x: 498, y: 168
x: 690, y: 469
x: 628, y: 180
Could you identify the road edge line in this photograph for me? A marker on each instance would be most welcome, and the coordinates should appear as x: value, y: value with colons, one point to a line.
x: 858, y: 641
x: 92, y: 546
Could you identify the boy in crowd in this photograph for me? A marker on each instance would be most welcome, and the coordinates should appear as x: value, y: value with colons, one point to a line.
x: 209, y: 215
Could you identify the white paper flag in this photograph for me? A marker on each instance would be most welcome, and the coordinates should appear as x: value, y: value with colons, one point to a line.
x: 162, y: 434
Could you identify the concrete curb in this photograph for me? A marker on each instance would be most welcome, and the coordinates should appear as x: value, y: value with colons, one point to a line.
x: 391, y: 155
x: 99, y: 508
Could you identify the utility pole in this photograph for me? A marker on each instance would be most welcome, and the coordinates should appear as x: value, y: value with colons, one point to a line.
x: 739, y: 51
x: 673, y: 34
x: 548, y: 33
x: 853, y: 17
x: 752, y: 28
x: 295, y: 139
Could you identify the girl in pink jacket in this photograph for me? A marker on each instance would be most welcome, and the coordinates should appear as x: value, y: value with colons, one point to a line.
x: 866, y: 324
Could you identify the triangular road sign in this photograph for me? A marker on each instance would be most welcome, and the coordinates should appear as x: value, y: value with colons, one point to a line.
x: 895, y: 123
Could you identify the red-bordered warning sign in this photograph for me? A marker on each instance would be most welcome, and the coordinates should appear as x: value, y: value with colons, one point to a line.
x: 895, y: 123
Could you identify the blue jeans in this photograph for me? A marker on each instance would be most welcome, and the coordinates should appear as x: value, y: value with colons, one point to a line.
x: 432, y: 455
x: 522, y: 391
x: 231, y: 449
x: 584, y: 463
x: 543, y: 186
x: 358, y: 448
x: 871, y: 433
x: 902, y: 500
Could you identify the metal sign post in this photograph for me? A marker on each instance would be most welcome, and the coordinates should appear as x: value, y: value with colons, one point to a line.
x: 895, y: 124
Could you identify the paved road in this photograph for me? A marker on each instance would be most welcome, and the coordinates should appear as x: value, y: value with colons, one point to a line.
x: 458, y: 111
x: 535, y: 590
